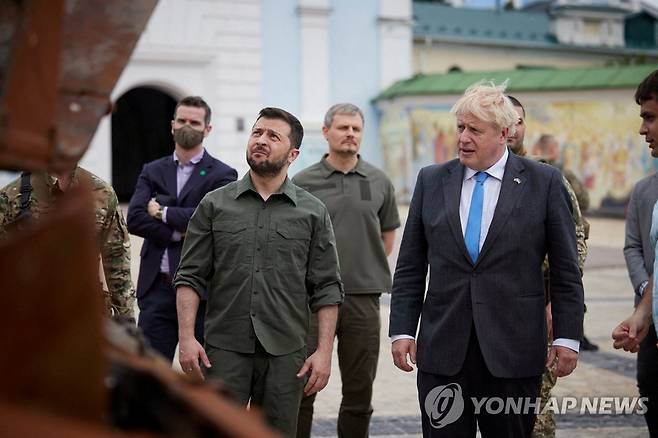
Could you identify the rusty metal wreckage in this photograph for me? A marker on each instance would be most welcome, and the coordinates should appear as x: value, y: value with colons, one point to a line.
x: 66, y: 369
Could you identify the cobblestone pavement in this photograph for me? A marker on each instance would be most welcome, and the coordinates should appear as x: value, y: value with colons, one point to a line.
x: 607, y: 373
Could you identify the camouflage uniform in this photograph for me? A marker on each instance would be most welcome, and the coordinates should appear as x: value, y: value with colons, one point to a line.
x: 113, y: 240
x: 578, y: 189
x: 582, y: 227
x: 545, y: 422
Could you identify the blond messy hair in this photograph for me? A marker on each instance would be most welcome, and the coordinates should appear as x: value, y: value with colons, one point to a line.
x: 487, y: 102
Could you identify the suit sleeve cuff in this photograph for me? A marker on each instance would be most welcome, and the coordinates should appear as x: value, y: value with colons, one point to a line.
x: 569, y: 343
x: 398, y: 337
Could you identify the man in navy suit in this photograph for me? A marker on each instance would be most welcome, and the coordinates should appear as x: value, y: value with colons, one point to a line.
x: 167, y: 193
x: 483, y: 224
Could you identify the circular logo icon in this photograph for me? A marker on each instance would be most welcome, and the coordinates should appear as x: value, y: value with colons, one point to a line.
x: 444, y: 405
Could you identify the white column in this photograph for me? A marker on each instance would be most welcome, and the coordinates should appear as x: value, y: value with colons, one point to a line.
x: 314, y: 62
x: 98, y: 158
x: 395, y: 41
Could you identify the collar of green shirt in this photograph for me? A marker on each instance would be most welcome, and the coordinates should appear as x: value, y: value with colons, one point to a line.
x: 360, y: 168
x: 287, y: 188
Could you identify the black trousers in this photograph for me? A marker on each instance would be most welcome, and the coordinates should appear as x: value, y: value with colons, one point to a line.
x: 647, y: 379
x: 440, y: 408
x: 158, y: 318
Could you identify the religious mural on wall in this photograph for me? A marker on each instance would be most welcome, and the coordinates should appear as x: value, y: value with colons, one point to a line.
x: 599, y: 142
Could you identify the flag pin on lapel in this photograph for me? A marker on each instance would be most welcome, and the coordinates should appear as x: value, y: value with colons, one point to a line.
x: 517, y: 180
x: 202, y: 172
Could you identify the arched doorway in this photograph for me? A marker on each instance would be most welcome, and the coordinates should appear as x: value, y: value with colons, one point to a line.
x: 141, y: 132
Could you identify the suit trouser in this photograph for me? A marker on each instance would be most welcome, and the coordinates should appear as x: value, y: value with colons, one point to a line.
x: 475, y: 380
x: 647, y: 379
x: 267, y: 381
x: 158, y: 318
x: 357, y: 331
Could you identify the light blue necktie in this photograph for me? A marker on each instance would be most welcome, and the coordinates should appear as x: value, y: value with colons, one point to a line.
x: 472, y: 236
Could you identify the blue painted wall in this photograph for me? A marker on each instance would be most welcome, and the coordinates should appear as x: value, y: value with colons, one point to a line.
x: 280, y: 55
x: 354, y: 54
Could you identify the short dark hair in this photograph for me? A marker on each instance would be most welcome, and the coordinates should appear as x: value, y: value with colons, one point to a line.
x: 296, y: 128
x: 516, y: 102
x: 197, y: 102
x: 648, y: 89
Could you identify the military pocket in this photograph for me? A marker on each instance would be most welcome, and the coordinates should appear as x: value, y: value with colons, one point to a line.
x: 292, y: 247
x: 231, y: 243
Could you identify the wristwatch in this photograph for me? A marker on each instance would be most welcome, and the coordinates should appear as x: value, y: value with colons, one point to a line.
x: 640, y: 289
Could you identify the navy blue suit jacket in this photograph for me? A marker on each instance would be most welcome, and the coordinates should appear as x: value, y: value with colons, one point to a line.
x: 159, y: 178
x: 501, y: 296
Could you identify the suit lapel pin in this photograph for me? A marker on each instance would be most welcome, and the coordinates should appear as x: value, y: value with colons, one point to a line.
x: 202, y: 172
x: 517, y: 180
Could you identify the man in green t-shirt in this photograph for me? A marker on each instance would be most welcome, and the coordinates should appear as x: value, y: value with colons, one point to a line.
x: 361, y: 201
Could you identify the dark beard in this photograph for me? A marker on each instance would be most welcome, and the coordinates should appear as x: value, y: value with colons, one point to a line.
x: 346, y: 154
x: 517, y: 148
x: 266, y: 168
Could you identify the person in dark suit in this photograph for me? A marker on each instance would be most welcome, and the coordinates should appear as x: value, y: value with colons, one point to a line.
x: 167, y: 193
x: 483, y: 223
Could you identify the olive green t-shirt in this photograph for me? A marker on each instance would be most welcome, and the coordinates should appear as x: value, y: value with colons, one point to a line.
x: 362, y: 205
x: 265, y: 264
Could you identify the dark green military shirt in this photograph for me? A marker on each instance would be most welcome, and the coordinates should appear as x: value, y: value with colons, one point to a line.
x: 263, y: 263
x: 361, y: 203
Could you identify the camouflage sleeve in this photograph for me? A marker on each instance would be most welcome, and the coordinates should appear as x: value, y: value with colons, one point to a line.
x: 4, y: 212
x: 579, y: 190
x: 115, y: 253
x: 581, y: 245
x: 579, y: 223
x: 9, y: 207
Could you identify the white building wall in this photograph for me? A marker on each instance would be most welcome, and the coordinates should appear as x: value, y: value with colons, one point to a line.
x: 315, y: 75
x: 395, y: 36
x: 205, y: 47
x: 216, y: 49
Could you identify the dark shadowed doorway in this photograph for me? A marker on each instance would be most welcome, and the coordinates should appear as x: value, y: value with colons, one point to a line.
x: 141, y: 132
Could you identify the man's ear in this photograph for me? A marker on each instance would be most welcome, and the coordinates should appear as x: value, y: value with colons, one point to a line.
x: 504, y: 133
x: 207, y: 130
x: 292, y: 155
x: 325, y: 132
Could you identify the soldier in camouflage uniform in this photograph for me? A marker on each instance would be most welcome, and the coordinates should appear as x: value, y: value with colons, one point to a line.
x: 110, y: 226
x: 545, y: 422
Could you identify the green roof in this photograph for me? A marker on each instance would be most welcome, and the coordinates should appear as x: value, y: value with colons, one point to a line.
x: 522, y: 80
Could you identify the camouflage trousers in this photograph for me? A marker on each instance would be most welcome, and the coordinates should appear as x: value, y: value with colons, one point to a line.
x: 545, y: 423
